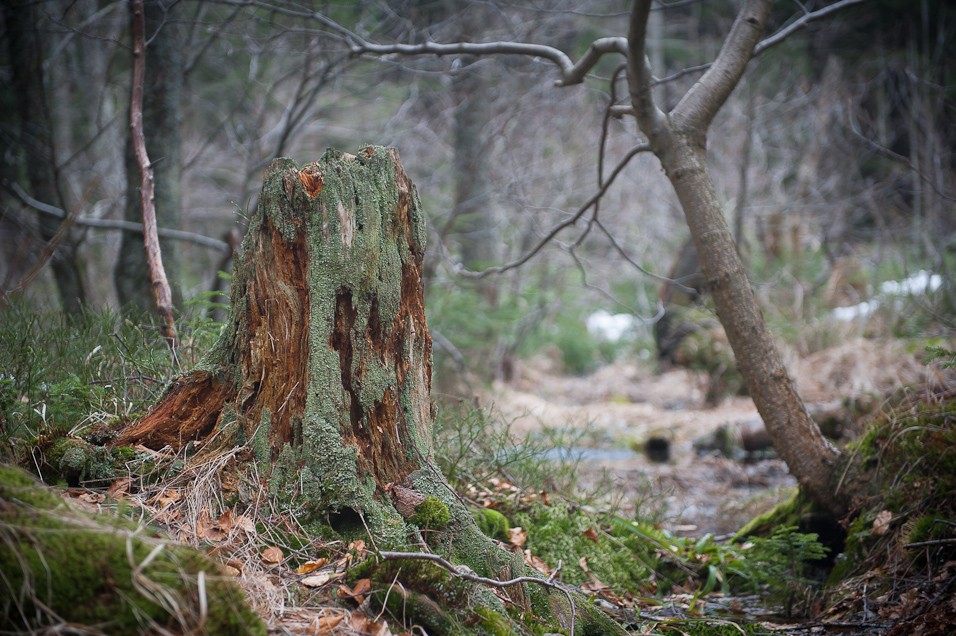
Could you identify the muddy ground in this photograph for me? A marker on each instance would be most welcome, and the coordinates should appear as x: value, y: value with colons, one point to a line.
x: 623, y: 405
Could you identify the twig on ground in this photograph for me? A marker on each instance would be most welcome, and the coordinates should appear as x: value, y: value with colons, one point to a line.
x: 468, y: 575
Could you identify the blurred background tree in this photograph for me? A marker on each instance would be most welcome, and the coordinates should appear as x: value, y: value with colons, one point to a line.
x: 835, y: 158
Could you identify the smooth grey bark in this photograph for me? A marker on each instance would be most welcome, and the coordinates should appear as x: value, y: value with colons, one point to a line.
x: 162, y: 121
x: 679, y: 141
x: 26, y: 49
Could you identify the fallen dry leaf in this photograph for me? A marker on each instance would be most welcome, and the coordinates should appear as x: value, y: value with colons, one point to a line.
x: 119, y: 488
x: 537, y: 563
x: 207, y: 529
x: 245, y: 523
x: 325, y: 624
x: 358, y: 593
x: 272, y: 555
x: 231, y: 571
x: 591, y: 534
x: 92, y: 497
x: 311, y: 566
x: 517, y: 536
x: 166, y: 498
x: 363, y: 623
x: 882, y: 523
x: 583, y: 564
x: 318, y: 580
x: 358, y: 546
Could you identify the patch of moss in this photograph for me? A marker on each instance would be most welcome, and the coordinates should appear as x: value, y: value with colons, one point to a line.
x: 75, y: 461
x: 492, y: 523
x: 61, y: 564
x: 559, y: 533
x: 432, y: 514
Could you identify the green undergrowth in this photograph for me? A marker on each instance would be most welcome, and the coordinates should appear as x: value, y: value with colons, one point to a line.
x: 84, y: 376
x: 63, y: 566
x: 898, y: 542
x: 908, y: 458
x: 531, y: 500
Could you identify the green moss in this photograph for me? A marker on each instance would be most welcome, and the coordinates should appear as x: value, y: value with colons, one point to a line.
x: 432, y: 514
x: 786, y: 513
x: 124, y: 454
x: 559, y: 533
x: 75, y: 461
x: 60, y: 563
x: 492, y: 523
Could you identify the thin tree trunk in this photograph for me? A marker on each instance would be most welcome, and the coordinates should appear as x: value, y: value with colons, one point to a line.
x: 797, y: 438
x: 154, y: 257
x: 161, y: 122
x: 36, y: 138
x: 679, y: 141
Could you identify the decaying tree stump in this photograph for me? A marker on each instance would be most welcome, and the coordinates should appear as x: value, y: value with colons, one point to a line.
x: 324, y: 368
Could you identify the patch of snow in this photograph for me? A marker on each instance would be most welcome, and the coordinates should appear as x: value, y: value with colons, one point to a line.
x: 610, y: 327
x: 922, y: 282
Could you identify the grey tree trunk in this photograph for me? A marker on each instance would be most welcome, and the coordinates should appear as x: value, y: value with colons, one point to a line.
x: 26, y: 46
x: 162, y: 121
x: 679, y: 140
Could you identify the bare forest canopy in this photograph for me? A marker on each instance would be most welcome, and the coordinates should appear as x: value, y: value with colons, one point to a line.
x: 837, y: 142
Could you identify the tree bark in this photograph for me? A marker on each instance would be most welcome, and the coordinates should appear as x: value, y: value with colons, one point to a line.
x: 25, y: 44
x: 679, y: 140
x: 154, y: 257
x: 324, y: 369
x: 162, y: 122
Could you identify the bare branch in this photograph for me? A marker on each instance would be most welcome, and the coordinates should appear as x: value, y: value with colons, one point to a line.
x: 773, y: 40
x: 650, y: 118
x: 562, y: 61
x: 112, y: 224
x: 576, y: 74
x: 633, y: 152
x: 800, y: 23
x: 468, y: 575
x: 571, y: 72
x: 705, y: 98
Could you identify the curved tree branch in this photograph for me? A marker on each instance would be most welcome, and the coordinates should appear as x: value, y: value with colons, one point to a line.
x: 113, y: 224
x: 571, y: 72
x: 633, y: 152
x: 649, y: 117
x: 465, y: 573
x: 779, y: 36
x: 705, y: 98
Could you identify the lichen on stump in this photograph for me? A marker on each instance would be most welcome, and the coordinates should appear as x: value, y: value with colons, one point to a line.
x: 324, y: 368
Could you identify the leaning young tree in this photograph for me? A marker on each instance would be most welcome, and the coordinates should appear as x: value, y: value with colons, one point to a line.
x: 678, y: 139
x: 324, y: 373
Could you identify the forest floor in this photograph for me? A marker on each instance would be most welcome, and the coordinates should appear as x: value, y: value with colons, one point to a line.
x: 612, y: 412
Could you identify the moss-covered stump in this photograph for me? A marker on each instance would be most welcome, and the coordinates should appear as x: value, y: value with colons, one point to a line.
x: 324, y: 369
x: 61, y: 565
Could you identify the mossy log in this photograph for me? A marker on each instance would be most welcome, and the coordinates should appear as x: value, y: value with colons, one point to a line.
x: 324, y: 368
x: 63, y: 568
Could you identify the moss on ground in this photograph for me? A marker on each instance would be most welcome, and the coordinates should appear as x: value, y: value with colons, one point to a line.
x: 61, y: 564
x: 492, y: 523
